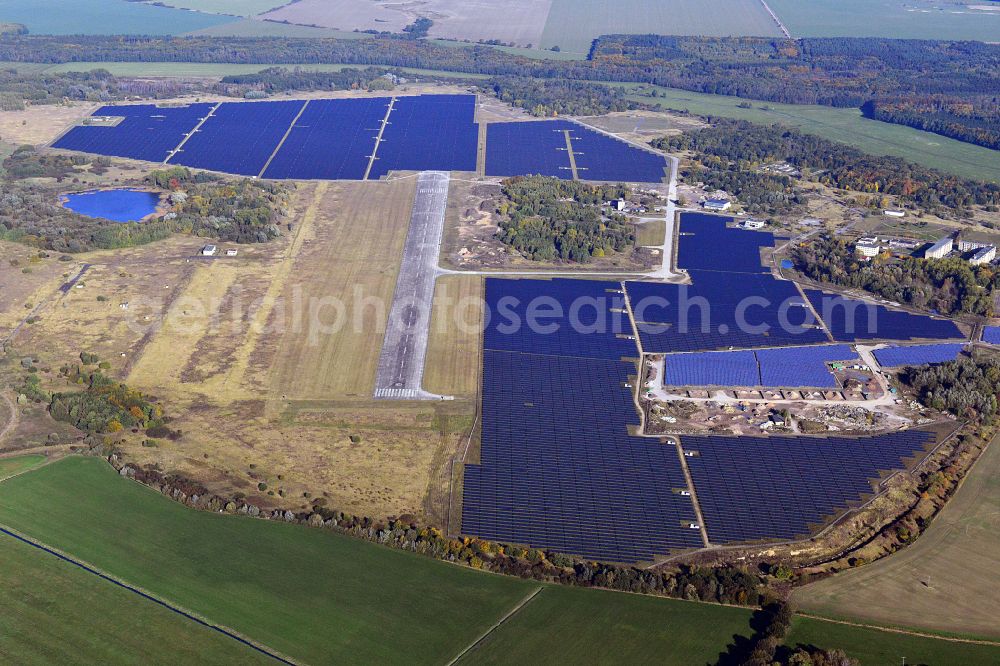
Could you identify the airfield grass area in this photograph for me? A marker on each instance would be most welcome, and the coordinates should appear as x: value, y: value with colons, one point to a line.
x: 944, y: 582
x: 52, y: 612
x: 453, y: 349
x: 574, y: 626
x: 311, y: 594
x: 898, y: 19
x: 843, y: 125
x: 11, y: 466
x: 574, y: 24
x: 651, y: 232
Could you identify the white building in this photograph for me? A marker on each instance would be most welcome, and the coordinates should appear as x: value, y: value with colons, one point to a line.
x: 231, y: 252
x: 718, y: 204
x: 753, y: 224
x: 967, y: 245
x: 867, y: 250
x: 209, y: 250
x: 983, y: 255
x: 619, y: 204
x: 940, y: 249
x: 894, y: 213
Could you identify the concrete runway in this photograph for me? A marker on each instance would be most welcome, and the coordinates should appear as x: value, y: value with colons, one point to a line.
x: 401, y: 363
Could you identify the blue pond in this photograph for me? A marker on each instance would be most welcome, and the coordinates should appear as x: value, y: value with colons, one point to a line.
x: 114, y: 205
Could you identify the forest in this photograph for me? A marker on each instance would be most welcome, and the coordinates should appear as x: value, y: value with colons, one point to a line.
x: 844, y: 72
x: 950, y: 286
x: 237, y: 210
x: 548, y: 97
x: 965, y: 387
x: 731, y: 147
x: 956, y: 118
x: 549, y: 218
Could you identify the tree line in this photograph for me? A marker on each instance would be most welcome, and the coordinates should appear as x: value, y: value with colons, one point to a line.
x: 950, y: 286
x: 965, y: 387
x: 843, y: 72
x: 739, y: 146
x: 547, y: 218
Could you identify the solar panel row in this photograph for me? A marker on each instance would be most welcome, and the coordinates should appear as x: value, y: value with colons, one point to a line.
x: 146, y: 131
x: 991, y: 335
x: 752, y: 488
x: 540, y: 147
x: 313, y: 151
x: 334, y: 139
x: 706, y: 243
x: 786, y: 367
x: 899, y: 355
x: 239, y: 137
x: 850, y: 319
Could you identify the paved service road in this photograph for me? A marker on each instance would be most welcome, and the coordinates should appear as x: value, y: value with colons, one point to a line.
x: 401, y: 363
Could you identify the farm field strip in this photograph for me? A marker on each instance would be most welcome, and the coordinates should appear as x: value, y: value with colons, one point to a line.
x: 945, y: 582
x: 48, y: 602
x: 574, y: 24
x: 339, y: 597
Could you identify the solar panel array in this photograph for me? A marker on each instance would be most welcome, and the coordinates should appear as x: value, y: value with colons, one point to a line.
x: 604, y: 158
x: 802, y: 366
x: 850, y: 319
x: 528, y: 148
x: 737, y: 368
x: 239, y: 137
x: 146, y: 132
x: 785, y: 367
x: 558, y: 468
x: 429, y: 133
x: 752, y: 488
x: 899, y: 355
x: 314, y: 150
x: 721, y: 311
x: 540, y: 147
x: 991, y: 335
x: 706, y: 243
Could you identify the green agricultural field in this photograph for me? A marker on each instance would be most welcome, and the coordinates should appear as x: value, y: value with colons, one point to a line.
x: 945, y: 582
x: 843, y: 125
x: 573, y: 626
x: 900, y: 19
x: 321, y: 597
x: 534, y: 54
x: 52, y: 612
x: 11, y: 466
x: 574, y: 24
x: 314, y: 595
x: 103, y: 17
x: 875, y: 647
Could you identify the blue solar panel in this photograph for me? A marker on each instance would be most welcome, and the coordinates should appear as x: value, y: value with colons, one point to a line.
x: 332, y: 139
x: 528, y: 148
x: 539, y: 147
x: 753, y: 488
x: 850, y: 319
x: 991, y: 335
x: 146, y: 131
x: 802, y: 366
x: 706, y: 243
x: 720, y: 311
x: 604, y: 158
x: 239, y: 137
x: 738, y: 368
x: 899, y: 355
x: 429, y: 133
x: 563, y: 317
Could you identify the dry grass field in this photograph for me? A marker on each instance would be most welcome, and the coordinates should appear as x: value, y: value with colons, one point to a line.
x: 41, y: 124
x: 946, y: 581
x: 453, y: 350
x: 651, y: 232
